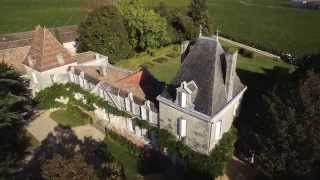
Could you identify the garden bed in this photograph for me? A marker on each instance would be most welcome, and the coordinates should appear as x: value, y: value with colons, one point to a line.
x: 71, y: 116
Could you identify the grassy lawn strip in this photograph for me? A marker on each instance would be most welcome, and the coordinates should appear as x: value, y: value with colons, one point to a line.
x: 71, y: 117
x: 121, y: 153
x: 167, y: 70
x: 163, y: 71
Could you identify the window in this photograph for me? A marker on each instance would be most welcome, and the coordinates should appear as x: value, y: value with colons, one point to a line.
x: 182, y: 127
x: 34, y: 77
x: 183, y: 99
x: 218, y: 130
x: 143, y: 113
x: 127, y: 104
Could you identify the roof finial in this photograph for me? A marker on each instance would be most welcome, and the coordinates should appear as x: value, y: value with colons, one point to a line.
x: 200, y: 31
x: 217, y: 35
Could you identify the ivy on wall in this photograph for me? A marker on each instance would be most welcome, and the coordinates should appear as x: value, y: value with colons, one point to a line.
x: 46, y: 99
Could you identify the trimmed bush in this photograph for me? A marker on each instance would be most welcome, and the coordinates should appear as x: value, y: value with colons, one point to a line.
x: 146, y: 65
x: 160, y: 60
x: 173, y: 54
x: 246, y: 53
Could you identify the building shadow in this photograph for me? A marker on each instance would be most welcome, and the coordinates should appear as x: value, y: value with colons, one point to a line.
x: 64, y: 142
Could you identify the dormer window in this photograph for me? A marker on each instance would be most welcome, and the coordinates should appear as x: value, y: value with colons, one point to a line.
x: 60, y: 59
x: 186, y: 94
x: 183, y: 99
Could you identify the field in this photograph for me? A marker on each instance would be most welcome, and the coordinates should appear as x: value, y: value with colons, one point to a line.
x: 268, y: 23
x: 24, y: 15
x: 271, y: 24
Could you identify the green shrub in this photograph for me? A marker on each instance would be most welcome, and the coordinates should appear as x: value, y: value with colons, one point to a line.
x: 146, y: 65
x: 160, y: 60
x: 246, y: 53
x: 173, y: 54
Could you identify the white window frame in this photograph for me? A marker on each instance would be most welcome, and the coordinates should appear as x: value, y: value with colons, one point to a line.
x: 218, y: 130
x: 182, y: 127
x: 183, y: 99
x: 143, y: 113
x: 34, y: 77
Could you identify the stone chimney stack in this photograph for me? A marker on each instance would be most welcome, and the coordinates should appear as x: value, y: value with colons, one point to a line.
x: 184, y: 49
x: 104, y: 68
x: 231, y: 73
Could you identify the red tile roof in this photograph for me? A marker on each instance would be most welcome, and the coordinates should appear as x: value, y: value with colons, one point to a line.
x: 45, y: 50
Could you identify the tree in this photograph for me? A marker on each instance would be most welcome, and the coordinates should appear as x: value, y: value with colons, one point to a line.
x: 146, y: 28
x: 198, y: 11
x: 103, y: 31
x: 59, y: 168
x: 285, y: 136
x: 180, y: 26
x: 14, y: 101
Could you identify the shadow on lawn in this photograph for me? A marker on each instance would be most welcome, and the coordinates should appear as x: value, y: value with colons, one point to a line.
x: 64, y: 142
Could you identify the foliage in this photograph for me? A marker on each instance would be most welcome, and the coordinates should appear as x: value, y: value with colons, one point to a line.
x: 103, y: 31
x: 72, y: 168
x: 113, y: 169
x: 284, y: 135
x: 71, y: 116
x: 141, y: 123
x: 160, y: 60
x: 198, y: 11
x: 46, y: 98
x: 131, y: 147
x: 14, y: 100
x: 145, y: 27
x: 198, y: 165
x: 181, y: 26
x: 246, y: 53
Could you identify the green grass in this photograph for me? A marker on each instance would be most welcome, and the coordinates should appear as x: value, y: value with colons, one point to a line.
x: 72, y: 118
x: 271, y: 23
x: 24, y: 15
x: 162, y: 71
x: 166, y: 71
x: 122, y: 154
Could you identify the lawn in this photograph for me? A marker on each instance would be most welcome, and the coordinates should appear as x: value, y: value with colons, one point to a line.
x: 163, y: 71
x: 166, y: 71
x: 269, y: 23
x: 71, y: 117
x: 121, y: 153
x: 24, y: 15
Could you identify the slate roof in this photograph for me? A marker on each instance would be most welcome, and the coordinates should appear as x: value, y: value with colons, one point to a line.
x: 206, y: 64
x: 44, y: 51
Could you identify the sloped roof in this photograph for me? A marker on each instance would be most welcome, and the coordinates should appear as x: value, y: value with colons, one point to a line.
x: 206, y: 64
x: 141, y: 84
x: 44, y: 51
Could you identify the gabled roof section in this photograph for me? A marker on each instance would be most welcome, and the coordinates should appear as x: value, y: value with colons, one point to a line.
x: 46, y: 51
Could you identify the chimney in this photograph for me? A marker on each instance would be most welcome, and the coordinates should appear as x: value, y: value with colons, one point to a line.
x: 184, y: 49
x: 231, y: 73
x: 104, y: 68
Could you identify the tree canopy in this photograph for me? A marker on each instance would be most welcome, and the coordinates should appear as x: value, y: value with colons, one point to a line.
x: 285, y: 132
x: 14, y: 100
x: 103, y: 31
x: 146, y: 28
x: 198, y: 11
x: 67, y: 168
